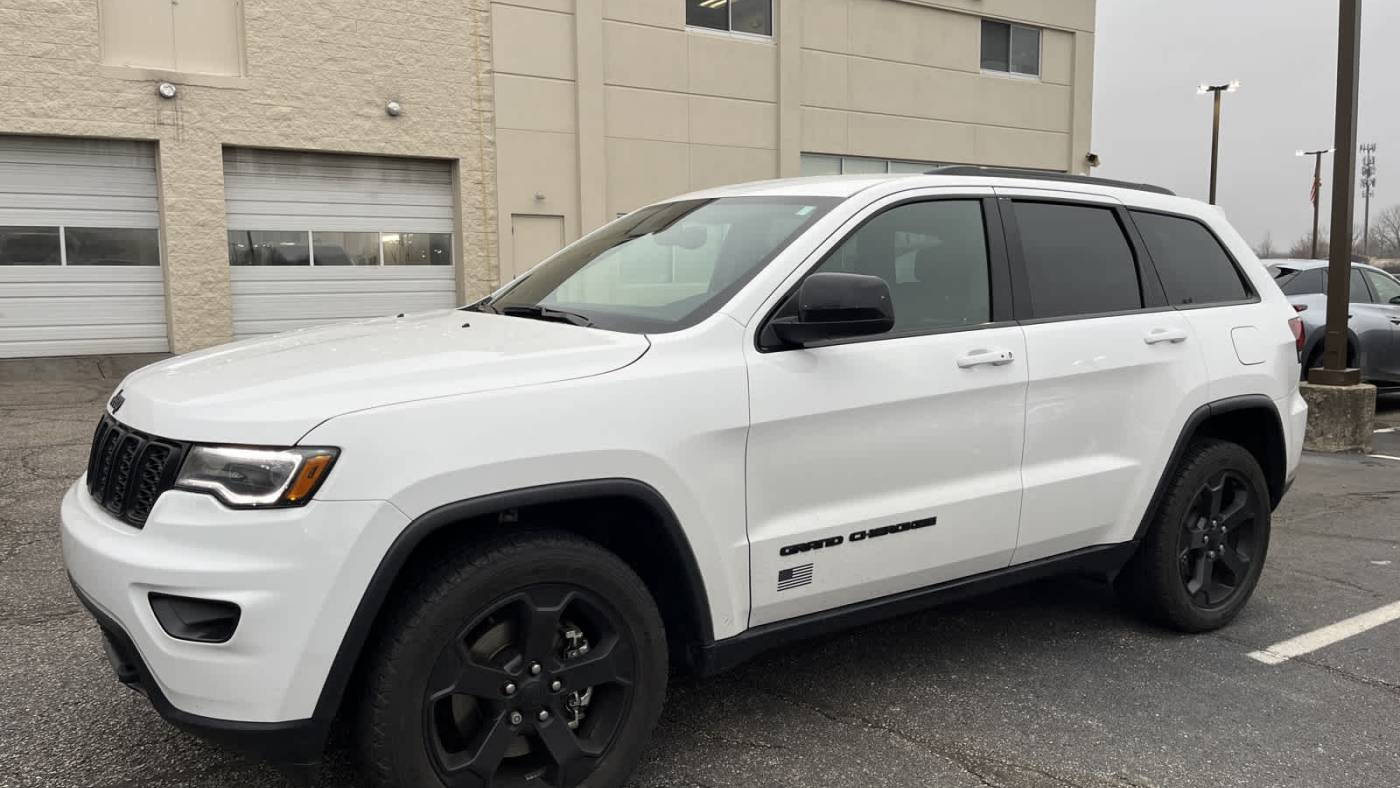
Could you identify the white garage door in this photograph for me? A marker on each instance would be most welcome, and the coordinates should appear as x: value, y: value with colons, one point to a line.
x: 79, y: 248
x: 316, y: 238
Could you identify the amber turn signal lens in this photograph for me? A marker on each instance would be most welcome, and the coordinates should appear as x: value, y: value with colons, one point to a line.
x: 309, y: 477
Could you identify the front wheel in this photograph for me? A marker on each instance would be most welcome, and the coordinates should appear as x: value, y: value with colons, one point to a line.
x: 1202, y: 555
x: 532, y: 660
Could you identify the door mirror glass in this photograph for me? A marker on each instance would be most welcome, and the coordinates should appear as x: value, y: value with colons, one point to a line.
x: 837, y: 306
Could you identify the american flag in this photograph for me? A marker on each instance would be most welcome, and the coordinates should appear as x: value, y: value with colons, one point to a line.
x: 794, y: 576
x: 1316, y: 187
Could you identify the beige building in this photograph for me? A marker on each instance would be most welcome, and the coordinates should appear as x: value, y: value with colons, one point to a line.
x: 178, y: 173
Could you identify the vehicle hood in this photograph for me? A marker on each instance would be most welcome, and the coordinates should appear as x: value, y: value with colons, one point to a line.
x: 273, y: 390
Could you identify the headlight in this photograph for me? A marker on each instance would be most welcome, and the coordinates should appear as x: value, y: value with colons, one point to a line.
x: 245, y: 477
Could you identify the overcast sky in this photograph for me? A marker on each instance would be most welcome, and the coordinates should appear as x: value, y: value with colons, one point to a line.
x: 1150, y: 125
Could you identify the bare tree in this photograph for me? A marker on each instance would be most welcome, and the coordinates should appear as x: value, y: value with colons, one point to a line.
x: 1266, y: 248
x: 1302, y: 248
x: 1385, y: 233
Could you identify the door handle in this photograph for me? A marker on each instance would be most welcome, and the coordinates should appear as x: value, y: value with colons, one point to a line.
x: 992, y: 357
x: 1172, y: 335
x: 1395, y: 320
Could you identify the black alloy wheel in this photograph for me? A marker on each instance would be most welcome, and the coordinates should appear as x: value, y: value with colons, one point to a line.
x: 530, y: 692
x: 524, y: 659
x: 1218, y: 540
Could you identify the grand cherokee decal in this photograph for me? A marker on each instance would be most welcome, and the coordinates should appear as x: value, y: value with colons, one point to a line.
x: 857, y: 536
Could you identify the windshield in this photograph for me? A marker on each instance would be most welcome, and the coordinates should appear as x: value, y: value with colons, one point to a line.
x: 662, y: 268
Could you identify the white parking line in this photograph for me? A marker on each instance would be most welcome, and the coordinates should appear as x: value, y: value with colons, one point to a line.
x: 1326, y: 636
x: 1385, y: 430
x: 1384, y: 457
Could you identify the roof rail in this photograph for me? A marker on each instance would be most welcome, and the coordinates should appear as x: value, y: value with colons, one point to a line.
x: 1041, y: 175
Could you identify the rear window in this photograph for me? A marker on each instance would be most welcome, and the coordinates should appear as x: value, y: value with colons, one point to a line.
x: 1078, y: 262
x: 1294, y: 282
x: 1194, y: 268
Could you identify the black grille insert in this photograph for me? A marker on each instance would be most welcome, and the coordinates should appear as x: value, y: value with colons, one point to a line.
x: 128, y: 470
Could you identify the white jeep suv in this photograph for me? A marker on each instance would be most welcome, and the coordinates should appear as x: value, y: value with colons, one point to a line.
x: 719, y: 423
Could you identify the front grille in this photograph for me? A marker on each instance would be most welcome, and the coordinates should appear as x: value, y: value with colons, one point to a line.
x: 128, y: 470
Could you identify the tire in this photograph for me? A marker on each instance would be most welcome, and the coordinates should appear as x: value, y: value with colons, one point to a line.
x: 437, y: 709
x: 1182, y: 576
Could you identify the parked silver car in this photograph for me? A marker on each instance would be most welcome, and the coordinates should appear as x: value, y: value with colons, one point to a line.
x: 1373, y: 343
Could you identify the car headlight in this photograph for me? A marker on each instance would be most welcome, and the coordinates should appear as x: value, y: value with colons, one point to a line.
x: 244, y: 477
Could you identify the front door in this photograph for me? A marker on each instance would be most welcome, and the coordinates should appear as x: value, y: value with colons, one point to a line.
x: 890, y: 463
x: 1386, y: 311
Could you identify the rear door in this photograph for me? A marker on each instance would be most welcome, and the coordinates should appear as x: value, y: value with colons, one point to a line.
x: 1387, y: 308
x: 1113, y: 370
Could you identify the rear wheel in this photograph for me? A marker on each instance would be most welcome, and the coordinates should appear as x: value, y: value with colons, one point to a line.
x: 1202, y: 555
x: 533, y: 660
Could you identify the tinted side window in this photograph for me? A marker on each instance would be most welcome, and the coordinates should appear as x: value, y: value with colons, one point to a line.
x: 1078, y: 262
x: 1307, y: 282
x: 1194, y: 268
x: 1387, y: 289
x: 933, y: 256
x: 1359, y: 293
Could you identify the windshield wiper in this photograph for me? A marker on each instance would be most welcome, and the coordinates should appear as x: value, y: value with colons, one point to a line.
x: 537, y: 312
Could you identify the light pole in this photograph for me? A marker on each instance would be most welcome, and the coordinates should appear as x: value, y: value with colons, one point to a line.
x: 1202, y: 89
x: 1316, y: 189
x: 1368, y: 188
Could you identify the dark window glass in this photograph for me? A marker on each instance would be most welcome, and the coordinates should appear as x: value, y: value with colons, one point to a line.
x: 1295, y: 282
x: 29, y: 246
x: 996, y: 46
x: 417, y: 248
x: 1387, y: 289
x: 1359, y: 294
x: 933, y: 256
x: 1077, y: 260
x: 707, y: 13
x: 337, y: 248
x: 1025, y: 50
x: 112, y: 246
x: 268, y: 247
x: 751, y: 16
x: 1194, y: 268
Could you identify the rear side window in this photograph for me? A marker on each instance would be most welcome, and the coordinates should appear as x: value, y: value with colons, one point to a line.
x: 1359, y: 293
x: 1078, y: 262
x: 1294, y: 282
x: 1194, y: 269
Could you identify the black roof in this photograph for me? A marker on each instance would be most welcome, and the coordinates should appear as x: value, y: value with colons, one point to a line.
x: 1041, y: 175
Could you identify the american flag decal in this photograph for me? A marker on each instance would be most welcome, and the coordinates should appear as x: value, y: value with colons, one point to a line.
x: 794, y: 576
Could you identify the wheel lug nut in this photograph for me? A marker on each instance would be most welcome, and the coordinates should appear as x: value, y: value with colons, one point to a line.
x: 508, y: 689
x: 535, y: 668
x: 516, y: 718
x: 556, y: 685
x: 543, y: 716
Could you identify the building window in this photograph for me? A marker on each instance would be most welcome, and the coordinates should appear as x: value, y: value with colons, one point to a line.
x: 1010, y: 49
x: 79, y: 246
x: 192, y: 37
x: 321, y: 248
x: 818, y: 164
x: 751, y: 17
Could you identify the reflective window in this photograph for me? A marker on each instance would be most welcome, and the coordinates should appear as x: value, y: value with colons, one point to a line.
x: 933, y: 256
x: 1359, y: 294
x: 667, y: 266
x: 1295, y: 282
x: 754, y: 17
x: 1194, y: 268
x: 1012, y: 49
x: 340, y: 248
x: 1078, y: 262
x: 111, y: 246
x: 417, y: 248
x: 263, y: 247
x: 29, y: 246
x: 1387, y: 289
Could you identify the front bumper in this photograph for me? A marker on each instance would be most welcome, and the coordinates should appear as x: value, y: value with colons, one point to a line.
x: 297, y: 575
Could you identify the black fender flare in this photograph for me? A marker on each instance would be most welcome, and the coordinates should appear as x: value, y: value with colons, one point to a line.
x: 357, y: 634
x: 1189, y: 430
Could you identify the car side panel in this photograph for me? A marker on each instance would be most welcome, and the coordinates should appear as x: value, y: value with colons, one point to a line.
x: 677, y: 420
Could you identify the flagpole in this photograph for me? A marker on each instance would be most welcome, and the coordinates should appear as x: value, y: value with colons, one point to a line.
x: 1316, y: 190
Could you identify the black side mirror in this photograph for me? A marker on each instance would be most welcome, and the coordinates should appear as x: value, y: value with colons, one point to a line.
x: 1395, y: 300
x: 837, y: 306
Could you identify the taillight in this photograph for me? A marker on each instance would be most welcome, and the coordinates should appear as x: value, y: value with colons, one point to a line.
x: 1295, y: 324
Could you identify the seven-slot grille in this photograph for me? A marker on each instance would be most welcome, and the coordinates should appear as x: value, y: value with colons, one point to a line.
x: 128, y: 470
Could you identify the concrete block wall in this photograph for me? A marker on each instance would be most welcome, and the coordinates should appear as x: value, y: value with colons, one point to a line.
x: 317, y: 77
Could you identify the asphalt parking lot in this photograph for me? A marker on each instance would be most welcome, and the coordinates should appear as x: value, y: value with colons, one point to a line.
x: 1045, y: 685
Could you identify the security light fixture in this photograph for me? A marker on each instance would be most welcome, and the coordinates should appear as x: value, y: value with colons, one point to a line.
x: 166, y: 90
